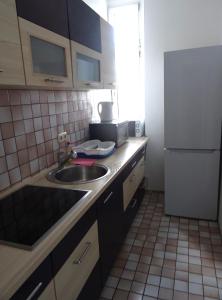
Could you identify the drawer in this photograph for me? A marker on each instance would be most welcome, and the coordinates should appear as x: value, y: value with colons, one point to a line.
x: 48, y: 293
x: 74, y: 273
x: 132, y: 182
x: 36, y: 285
x: 133, y: 162
x: 64, y: 249
x: 139, y: 172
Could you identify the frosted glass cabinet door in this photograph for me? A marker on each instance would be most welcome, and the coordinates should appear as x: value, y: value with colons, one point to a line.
x: 88, y: 68
x: 86, y: 65
x: 47, y: 56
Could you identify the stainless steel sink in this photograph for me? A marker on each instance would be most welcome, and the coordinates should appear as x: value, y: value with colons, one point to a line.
x: 77, y: 174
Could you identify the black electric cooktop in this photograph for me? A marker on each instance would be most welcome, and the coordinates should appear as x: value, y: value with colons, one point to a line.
x: 28, y: 214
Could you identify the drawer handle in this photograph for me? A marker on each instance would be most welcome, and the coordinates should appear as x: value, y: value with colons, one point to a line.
x: 107, y: 198
x: 134, y: 203
x: 133, y: 165
x: 1, y: 70
x: 80, y: 259
x: 34, y: 291
x: 91, y: 84
x: 53, y: 80
x: 132, y: 177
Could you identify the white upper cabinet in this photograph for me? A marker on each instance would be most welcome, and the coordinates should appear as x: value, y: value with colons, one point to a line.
x: 108, y: 55
x: 47, y: 57
x: 11, y: 64
x: 86, y: 65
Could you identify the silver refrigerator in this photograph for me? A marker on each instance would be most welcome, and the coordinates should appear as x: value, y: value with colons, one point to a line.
x: 192, y: 131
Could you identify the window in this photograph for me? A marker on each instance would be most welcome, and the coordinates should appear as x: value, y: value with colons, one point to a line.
x: 126, y: 22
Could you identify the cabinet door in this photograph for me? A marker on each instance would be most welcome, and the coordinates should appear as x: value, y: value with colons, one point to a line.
x: 48, y: 293
x: 47, y: 57
x: 11, y: 64
x: 74, y: 273
x: 86, y: 65
x: 84, y: 25
x: 108, y: 55
x: 51, y: 15
x: 133, y: 207
x: 132, y: 182
x: 110, y: 220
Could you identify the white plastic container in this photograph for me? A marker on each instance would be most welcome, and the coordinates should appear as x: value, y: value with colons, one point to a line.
x: 94, y: 148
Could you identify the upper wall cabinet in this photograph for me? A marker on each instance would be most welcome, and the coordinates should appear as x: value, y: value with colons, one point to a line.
x: 86, y: 64
x: 84, y: 25
x: 11, y: 65
x: 108, y: 55
x: 50, y: 14
x: 47, y: 57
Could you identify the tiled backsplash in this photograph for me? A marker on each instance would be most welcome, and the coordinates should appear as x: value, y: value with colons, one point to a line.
x: 30, y: 122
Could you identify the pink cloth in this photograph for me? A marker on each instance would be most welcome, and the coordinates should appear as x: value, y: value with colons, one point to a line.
x: 84, y: 161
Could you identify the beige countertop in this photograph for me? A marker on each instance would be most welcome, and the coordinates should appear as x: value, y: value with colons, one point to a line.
x: 16, y: 265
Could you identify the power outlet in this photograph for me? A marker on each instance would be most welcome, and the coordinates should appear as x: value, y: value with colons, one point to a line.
x: 62, y: 137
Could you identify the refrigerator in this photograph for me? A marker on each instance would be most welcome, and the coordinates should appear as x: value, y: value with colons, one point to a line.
x: 192, y: 131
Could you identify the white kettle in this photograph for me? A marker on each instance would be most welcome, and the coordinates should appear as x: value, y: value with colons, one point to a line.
x: 105, y: 111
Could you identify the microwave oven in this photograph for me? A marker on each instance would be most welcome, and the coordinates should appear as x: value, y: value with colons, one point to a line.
x: 109, y: 131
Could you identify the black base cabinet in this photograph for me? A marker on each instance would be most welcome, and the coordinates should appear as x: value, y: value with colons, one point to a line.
x: 132, y: 208
x: 93, y: 287
x: 110, y: 222
x: 113, y: 225
x: 36, y: 283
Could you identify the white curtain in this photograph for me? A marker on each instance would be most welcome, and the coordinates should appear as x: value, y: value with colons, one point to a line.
x: 125, y: 20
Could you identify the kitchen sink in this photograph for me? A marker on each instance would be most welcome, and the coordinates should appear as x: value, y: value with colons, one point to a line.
x: 77, y: 174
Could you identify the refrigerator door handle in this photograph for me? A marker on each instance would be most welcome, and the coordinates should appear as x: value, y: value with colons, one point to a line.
x: 192, y: 150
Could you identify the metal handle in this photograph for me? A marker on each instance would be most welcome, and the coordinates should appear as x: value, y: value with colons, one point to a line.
x: 34, y: 291
x: 107, y: 198
x: 53, y: 80
x: 192, y: 150
x: 91, y: 84
x: 1, y: 70
x: 133, y: 165
x: 132, y: 177
x: 134, y: 203
x: 79, y: 260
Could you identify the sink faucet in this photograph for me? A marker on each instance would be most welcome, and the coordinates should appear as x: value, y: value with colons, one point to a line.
x: 64, y: 156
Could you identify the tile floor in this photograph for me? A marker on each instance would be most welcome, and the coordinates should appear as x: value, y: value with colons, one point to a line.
x: 167, y: 258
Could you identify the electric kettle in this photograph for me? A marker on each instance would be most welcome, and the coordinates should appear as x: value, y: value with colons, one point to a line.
x: 105, y: 111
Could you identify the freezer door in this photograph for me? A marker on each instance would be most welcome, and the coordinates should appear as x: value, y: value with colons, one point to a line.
x: 193, y: 98
x: 191, y: 183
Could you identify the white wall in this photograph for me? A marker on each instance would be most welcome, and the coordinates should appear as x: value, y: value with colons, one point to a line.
x: 171, y: 25
x: 100, y: 6
x: 114, y: 3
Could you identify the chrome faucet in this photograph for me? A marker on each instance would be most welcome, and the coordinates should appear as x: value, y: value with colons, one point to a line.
x: 64, y: 156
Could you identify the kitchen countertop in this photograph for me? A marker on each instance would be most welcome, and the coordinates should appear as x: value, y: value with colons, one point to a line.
x: 16, y: 265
